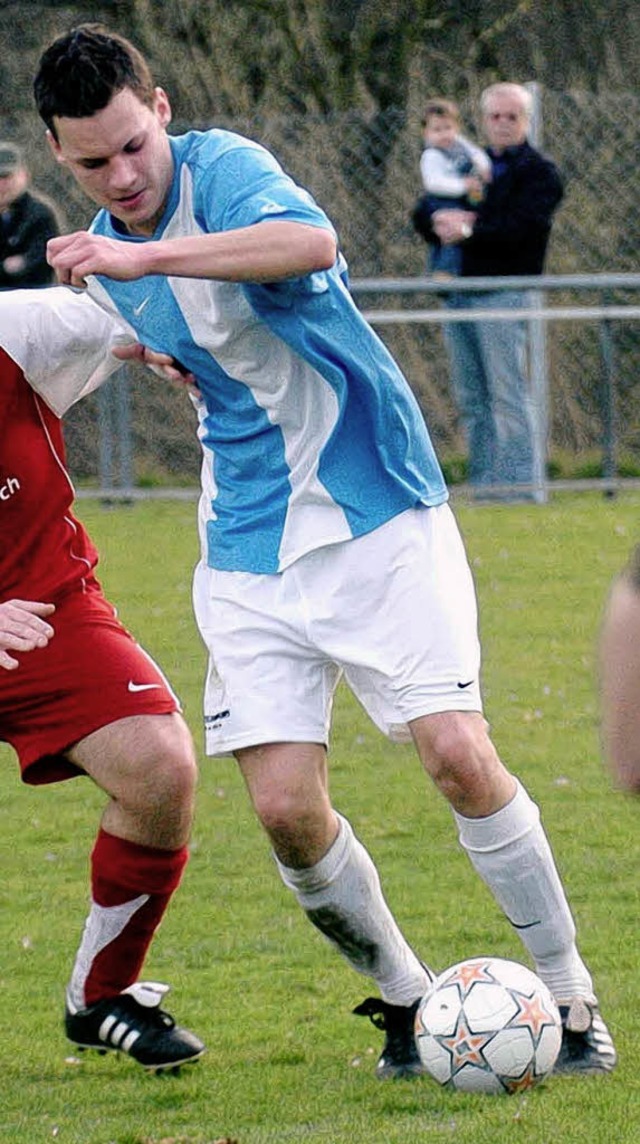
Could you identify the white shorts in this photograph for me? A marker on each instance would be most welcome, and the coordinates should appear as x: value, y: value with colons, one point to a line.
x: 394, y: 611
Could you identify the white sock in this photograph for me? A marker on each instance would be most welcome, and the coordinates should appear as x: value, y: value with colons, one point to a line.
x: 511, y: 853
x: 103, y: 926
x: 343, y: 898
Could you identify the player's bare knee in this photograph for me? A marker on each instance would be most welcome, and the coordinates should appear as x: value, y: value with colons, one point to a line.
x: 456, y: 752
x: 169, y: 765
x: 279, y: 811
x: 176, y: 775
x: 177, y: 780
x: 450, y: 739
x: 300, y: 833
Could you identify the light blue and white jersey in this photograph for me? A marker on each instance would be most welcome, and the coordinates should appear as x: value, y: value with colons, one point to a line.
x: 310, y: 433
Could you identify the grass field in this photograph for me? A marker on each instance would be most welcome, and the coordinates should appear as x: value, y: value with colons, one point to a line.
x: 286, y: 1060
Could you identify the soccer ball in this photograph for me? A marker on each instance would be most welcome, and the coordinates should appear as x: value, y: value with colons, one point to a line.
x: 488, y: 1025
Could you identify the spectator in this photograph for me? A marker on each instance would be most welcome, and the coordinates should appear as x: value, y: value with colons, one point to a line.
x: 27, y: 222
x: 506, y: 234
x: 454, y: 173
x: 620, y: 676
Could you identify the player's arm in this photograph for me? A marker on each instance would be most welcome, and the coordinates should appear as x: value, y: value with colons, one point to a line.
x: 23, y: 627
x: 61, y: 340
x: 265, y: 252
x: 619, y: 656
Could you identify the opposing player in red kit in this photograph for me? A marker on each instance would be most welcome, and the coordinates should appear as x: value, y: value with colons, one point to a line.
x: 78, y: 695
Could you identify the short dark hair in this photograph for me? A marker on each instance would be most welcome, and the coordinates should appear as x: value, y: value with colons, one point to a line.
x: 81, y: 71
x: 441, y: 109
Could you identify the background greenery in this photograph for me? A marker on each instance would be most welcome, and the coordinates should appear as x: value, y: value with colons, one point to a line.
x: 286, y: 1061
x: 336, y: 88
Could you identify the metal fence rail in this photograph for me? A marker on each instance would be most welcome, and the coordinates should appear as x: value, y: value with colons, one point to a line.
x: 536, y: 315
x: 414, y: 285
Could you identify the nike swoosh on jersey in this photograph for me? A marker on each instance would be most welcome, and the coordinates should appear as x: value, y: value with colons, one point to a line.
x: 137, y: 310
x: 131, y: 686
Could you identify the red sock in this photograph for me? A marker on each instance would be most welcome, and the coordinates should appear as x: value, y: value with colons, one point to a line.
x: 131, y: 886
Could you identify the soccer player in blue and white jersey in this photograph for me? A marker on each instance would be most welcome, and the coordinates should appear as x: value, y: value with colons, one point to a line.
x: 327, y: 544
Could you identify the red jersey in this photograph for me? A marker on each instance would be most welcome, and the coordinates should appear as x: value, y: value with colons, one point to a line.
x: 92, y: 673
x: 44, y: 550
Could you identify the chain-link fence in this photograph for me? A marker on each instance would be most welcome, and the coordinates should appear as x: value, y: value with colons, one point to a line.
x: 364, y: 172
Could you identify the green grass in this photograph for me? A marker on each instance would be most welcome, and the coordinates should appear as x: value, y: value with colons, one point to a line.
x: 286, y: 1061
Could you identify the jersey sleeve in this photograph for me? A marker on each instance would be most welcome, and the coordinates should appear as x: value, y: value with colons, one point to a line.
x: 62, y: 342
x: 240, y: 183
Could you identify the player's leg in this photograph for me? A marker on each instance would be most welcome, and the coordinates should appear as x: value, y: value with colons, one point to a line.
x: 268, y: 684
x: 92, y: 702
x: 507, y: 845
x: 336, y: 883
x: 327, y: 867
x: 499, y: 828
x: 498, y: 824
x: 146, y: 766
x: 423, y: 671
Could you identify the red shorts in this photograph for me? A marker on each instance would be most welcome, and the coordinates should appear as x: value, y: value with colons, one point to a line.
x: 90, y: 674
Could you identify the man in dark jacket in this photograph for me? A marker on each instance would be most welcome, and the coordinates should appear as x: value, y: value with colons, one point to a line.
x: 26, y: 224
x: 506, y: 235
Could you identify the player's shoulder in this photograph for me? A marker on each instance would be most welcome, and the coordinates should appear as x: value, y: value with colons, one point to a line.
x: 233, y: 181
x: 202, y: 149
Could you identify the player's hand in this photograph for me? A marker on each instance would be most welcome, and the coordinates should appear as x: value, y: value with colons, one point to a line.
x: 23, y: 627
x: 74, y: 256
x: 162, y: 364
